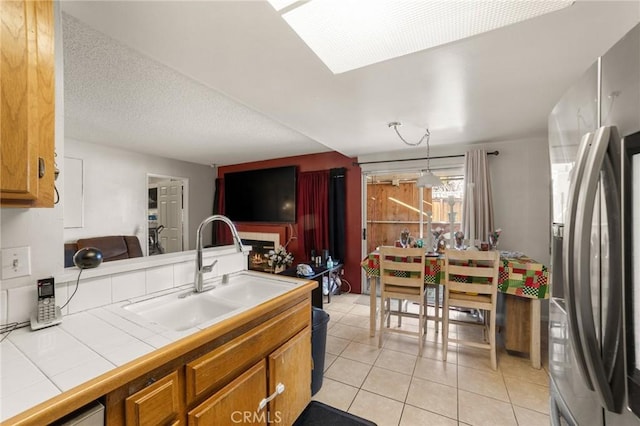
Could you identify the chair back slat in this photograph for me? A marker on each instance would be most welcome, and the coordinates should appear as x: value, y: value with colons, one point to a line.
x: 402, y: 266
x: 476, y: 271
x: 471, y: 271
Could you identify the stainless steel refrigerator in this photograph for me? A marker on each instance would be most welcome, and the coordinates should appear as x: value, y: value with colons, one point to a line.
x: 594, y: 312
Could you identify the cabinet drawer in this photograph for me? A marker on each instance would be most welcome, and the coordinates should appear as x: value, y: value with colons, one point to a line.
x: 235, y: 403
x: 217, y: 368
x: 158, y: 403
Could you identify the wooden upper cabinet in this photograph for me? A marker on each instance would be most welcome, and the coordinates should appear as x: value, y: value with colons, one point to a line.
x: 27, y: 107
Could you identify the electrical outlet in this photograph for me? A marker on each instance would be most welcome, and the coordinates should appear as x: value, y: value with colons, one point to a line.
x: 16, y: 262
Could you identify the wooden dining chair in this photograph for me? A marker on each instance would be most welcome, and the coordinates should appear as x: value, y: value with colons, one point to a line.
x: 402, y: 278
x: 471, y: 282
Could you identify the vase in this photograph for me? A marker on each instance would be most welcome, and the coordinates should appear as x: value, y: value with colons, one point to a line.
x: 493, y: 242
x: 278, y: 268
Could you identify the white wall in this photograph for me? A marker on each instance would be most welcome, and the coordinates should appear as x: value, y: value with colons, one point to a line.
x: 115, y: 190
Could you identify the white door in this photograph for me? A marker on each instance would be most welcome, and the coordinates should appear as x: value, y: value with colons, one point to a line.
x: 170, y: 215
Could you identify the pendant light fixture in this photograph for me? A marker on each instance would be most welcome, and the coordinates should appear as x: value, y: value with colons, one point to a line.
x: 426, y: 179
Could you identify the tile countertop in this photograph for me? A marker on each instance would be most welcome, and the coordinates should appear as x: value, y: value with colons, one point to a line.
x: 38, y: 365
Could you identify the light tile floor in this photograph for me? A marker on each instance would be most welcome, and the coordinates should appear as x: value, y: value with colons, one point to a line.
x: 393, y: 386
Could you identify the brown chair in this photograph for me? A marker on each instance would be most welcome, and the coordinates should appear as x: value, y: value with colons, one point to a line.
x: 402, y: 278
x: 113, y: 247
x: 482, y: 267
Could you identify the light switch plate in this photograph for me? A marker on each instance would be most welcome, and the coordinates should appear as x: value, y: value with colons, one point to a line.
x: 16, y: 262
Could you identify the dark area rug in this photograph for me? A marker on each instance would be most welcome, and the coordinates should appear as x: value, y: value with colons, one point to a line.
x: 319, y: 414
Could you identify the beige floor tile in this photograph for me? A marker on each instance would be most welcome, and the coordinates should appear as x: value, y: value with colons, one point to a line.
x: 335, y: 345
x: 365, y: 339
x: 336, y: 394
x: 479, y: 410
x: 335, y: 317
x: 355, y: 320
x: 362, y: 310
x: 361, y: 352
x: 436, y: 371
x: 413, y: 416
x: 475, y: 358
x: 336, y: 306
x: 387, y: 383
x: 434, y: 351
x: 328, y: 360
x: 528, y: 395
x: 378, y: 409
x: 432, y: 396
x: 435, y: 392
x: 521, y: 368
x: 345, y: 331
x: 483, y: 382
x: 526, y: 417
x: 396, y: 361
x: 348, y: 371
x: 400, y: 343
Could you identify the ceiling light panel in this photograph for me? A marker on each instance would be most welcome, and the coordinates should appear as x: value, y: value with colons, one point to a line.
x: 350, y: 34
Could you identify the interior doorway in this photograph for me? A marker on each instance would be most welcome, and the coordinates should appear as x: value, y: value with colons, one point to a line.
x: 167, y: 214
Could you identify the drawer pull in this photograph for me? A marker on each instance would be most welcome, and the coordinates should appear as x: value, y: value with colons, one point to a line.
x: 279, y: 390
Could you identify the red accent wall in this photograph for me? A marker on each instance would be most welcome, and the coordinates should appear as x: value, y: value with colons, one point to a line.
x: 307, y: 163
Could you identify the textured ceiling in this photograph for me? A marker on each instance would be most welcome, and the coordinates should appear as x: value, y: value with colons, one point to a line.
x: 227, y: 82
x: 117, y: 96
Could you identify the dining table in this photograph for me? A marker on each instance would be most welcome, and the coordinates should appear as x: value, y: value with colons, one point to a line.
x: 522, y: 278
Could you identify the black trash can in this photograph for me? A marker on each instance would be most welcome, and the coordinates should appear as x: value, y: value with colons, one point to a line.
x: 320, y: 319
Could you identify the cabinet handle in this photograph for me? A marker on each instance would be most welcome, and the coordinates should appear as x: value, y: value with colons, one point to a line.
x: 41, y: 167
x: 279, y: 390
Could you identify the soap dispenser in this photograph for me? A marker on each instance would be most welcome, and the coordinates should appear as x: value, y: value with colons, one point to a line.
x: 329, y: 262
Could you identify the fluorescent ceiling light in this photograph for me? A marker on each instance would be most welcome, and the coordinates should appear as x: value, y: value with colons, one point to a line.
x: 350, y: 34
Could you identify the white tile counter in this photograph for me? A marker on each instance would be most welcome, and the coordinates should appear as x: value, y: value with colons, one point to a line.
x: 38, y: 365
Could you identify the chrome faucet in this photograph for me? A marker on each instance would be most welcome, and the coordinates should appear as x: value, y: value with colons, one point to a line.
x: 200, y: 268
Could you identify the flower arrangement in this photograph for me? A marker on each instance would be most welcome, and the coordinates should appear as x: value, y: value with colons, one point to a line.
x: 279, y: 257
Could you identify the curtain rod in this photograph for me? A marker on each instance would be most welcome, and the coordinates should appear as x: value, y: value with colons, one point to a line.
x: 423, y: 158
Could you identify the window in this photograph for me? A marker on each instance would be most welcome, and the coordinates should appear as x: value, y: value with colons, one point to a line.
x: 394, y: 203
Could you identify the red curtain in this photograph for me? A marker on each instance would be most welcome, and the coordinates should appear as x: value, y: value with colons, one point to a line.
x: 313, y: 211
x: 221, y: 235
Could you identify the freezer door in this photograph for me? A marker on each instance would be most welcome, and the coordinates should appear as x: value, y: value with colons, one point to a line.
x: 579, y: 404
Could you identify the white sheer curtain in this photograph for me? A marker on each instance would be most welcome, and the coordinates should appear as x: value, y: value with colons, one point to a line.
x: 477, y: 207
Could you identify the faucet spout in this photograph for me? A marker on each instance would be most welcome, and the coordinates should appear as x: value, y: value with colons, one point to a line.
x: 200, y: 268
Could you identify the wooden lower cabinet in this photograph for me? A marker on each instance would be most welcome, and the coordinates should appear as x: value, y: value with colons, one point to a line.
x: 291, y: 366
x: 157, y: 404
x: 240, y: 401
x: 224, y: 383
x: 235, y: 403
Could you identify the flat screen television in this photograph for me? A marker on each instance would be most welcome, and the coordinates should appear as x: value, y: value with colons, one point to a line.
x: 265, y: 195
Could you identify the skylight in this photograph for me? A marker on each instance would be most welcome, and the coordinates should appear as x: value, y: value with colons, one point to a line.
x: 350, y: 34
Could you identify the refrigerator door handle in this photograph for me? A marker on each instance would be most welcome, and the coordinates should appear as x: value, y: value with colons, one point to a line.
x: 568, y: 259
x: 597, y: 162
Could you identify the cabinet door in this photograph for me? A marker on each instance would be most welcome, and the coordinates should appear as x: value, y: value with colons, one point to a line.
x: 157, y: 404
x: 291, y: 365
x: 236, y: 403
x: 27, y: 103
